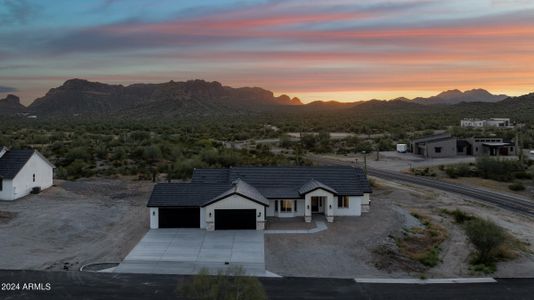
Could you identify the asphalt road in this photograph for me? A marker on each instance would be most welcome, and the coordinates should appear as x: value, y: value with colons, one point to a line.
x: 516, y: 204
x: 86, y: 285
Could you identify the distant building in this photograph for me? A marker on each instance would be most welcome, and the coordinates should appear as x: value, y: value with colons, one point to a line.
x: 492, y: 146
x: 21, y: 171
x: 493, y: 122
x: 445, y: 145
x: 435, y: 146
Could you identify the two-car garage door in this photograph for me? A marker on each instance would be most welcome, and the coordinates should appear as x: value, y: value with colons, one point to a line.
x: 235, y: 219
x: 190, y: 218
x: 179, y: 217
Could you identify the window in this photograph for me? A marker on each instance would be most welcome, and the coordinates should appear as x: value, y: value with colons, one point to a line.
x: 437, y: 149
x: 33, y: 177
x: 286, y: 205
x: 343, y: 202
x: 275, y: 205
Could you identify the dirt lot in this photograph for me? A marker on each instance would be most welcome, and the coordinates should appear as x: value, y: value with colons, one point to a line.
x: 346, y: 248
x: 73, y: 223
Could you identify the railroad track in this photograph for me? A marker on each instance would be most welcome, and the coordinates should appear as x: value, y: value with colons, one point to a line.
x: 509, y: 202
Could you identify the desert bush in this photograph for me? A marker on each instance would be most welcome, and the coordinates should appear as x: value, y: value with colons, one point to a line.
x: 516, y: 186
x: 497, y: 169
x: 487, y: 237
x: 460, y: 217
x: 232, y: 284
x: 460, y: 170
x: 523, y: 175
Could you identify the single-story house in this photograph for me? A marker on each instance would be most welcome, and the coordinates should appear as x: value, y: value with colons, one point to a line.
x: 492, y: 146
x: 23, y: 170
x: 445, y: 145
x: 435, y: 146
x: 242, y: 197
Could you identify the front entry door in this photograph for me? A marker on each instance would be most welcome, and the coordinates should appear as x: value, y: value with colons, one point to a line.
x: 315, y: 204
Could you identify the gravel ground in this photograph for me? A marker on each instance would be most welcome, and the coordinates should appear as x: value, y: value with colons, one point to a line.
x: 74, y: 223
x: 345, y: 249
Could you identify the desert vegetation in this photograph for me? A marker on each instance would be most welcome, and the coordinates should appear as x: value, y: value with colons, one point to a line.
x: 491, y: 242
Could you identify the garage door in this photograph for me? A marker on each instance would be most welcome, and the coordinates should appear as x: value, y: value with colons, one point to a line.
x: 235, y: 219
x: 179, y: 217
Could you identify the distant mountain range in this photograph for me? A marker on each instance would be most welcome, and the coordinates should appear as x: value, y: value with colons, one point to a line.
x: 82, y: 97
x: 78, y: 97
x: 456, y: 96
x: 11, y: 105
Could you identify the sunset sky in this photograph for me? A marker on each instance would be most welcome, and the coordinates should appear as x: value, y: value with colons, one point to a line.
x: 345, y: 50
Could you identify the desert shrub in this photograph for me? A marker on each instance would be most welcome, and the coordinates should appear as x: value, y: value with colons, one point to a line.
x: 523, y: 175
x: 233, y: 284
x: 516, y: 186
x: 487, y: 237
x: 285, y: 141
x: 497, y: 169
x: 460, y: 217
x: 461, y: 170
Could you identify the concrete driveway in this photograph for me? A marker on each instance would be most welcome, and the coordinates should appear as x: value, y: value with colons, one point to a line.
x: 187, y: 251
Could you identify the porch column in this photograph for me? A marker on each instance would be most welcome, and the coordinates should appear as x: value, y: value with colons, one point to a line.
x: 307, y: 209
x: 329, y: 209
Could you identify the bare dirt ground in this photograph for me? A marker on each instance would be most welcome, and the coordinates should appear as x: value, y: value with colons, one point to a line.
x: 345, y: 249
x: 73, y: 223
x: 288, y: 223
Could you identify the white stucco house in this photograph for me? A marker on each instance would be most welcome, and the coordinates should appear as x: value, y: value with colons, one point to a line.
x: 21, y: 171
x: 244, y: 197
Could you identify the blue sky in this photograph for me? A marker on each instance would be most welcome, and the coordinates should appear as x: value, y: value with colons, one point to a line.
x: 316, y: 50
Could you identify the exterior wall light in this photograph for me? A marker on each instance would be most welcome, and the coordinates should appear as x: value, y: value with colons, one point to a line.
x: 259, y: 214
x: 153, y: 213
x: 330, y: 206
x: 308, y: 207
x: 210, y: 215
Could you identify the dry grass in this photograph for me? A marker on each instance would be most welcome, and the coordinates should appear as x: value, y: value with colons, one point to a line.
x: 422, y: 244
x: 416, y: 250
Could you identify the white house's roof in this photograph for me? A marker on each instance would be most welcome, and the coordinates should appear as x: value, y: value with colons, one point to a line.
x: 13, y: 161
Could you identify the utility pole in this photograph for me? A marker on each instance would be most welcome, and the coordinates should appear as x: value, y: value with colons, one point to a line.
x: 519, y: 145
x: 377, y: 152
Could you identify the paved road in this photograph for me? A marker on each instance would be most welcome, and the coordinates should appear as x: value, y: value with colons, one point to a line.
x: 512, y: 203
x: 85, y: 285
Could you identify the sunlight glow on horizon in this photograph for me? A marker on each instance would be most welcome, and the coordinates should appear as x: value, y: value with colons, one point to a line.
x: 337, y: 50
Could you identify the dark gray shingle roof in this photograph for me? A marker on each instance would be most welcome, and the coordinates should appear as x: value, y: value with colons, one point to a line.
x: 434, y: 137
x: 259, y: 184
x: 313, y: 185
x: 184, y: 194
x: 285, y: 182
x: 244, y: 189
x: 12, y: 162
